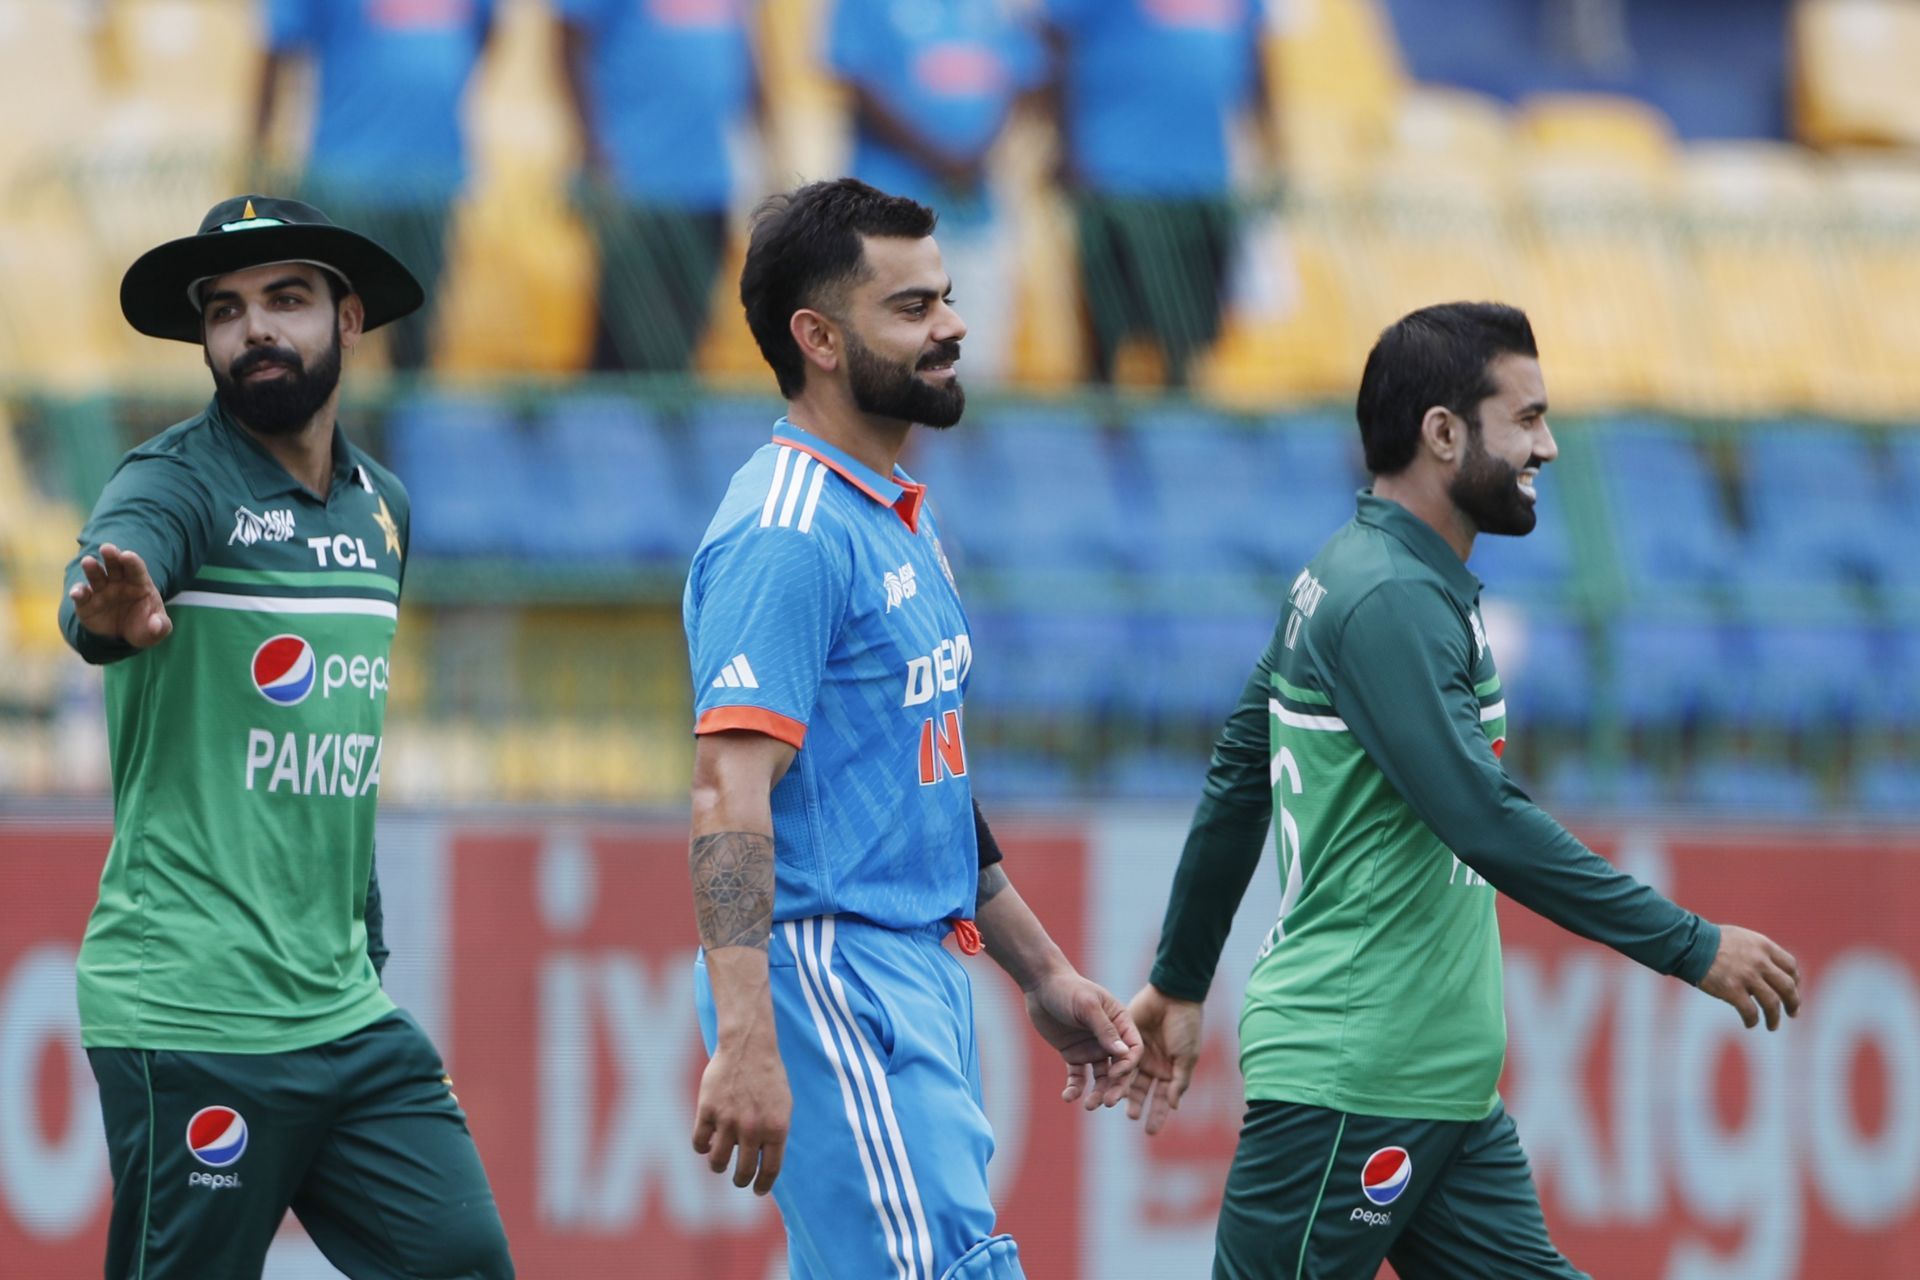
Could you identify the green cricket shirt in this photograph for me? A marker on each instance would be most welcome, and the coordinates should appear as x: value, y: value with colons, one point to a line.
x: 234, y: 907
x: 1370, y: 738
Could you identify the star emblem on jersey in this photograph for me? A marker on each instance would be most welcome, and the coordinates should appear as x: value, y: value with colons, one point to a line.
x: 736, y: 675
x: 390, y: 530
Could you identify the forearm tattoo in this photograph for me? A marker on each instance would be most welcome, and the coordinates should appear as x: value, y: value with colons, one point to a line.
x: 992, y: 881
x: 733, y: 888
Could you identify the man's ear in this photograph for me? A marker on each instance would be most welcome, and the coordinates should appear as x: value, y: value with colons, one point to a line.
x: 1443, y: 434
x: 353, y: 321
x: 818, y: 338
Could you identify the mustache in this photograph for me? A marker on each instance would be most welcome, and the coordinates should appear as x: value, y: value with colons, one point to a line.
x: 945, y: 353
x: 262, y: 357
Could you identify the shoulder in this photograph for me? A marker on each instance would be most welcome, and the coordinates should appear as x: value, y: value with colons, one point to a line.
x: 184, y: 461
x: 781, y: 510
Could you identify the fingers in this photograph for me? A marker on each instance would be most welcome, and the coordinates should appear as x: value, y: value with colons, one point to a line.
x: 1076, y: 1082
x: 1138, y: 1088
x: 772, y: 1156
x: 1096, y: 1021
x: 1159, y: 1109
x: 159, y: 625
x: 95, y: 572
x: 1769, y: 1004
x: 1744, y: 1006
x: 1782, y: 958
x: 1787, y: 983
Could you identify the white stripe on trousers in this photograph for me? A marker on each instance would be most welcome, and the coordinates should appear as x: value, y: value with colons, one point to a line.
x: 879, y: 1185
x: 897, y: 1144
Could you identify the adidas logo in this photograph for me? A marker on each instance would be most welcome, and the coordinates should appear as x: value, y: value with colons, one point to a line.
x: 736, y: 675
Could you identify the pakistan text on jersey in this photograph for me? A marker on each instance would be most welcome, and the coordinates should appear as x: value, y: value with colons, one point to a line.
x: 313, y: 764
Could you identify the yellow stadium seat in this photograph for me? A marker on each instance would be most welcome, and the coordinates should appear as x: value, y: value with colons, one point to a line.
x: 1338, y: 81
x: 1469, y: 128
x: 806, y: 119
x: 193, y: 63
x: 1598, y: 129
x: 57, y: 304
x: 518, y: 291
x: 48, y: 88
x: 1758, y: 216
x: 1853, y: 72
x: 1607, y: 265
x: 1878, y: 261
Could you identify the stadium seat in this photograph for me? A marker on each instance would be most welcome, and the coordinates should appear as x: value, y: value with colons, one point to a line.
x: 1667, y: 519
x: 1810, y: 676
x: 1745, y: 788
x: 1314, y: 462
x: 48, y: 81
x: 1625, y: 135
x: 1887, y: 788
x: 1154, y: 773
x: 1553, y: 685
x: 1338, y: 80
x: 720, y: 435
x: 1209, y: 489
x: 1059, y: 666
x: 616, y: 493
x: 1877, y: 258
x: 1853, y: 79
x: 456, y: 453
x: 1666, y: 673
x: 1043, y: 492
x: 1200, y: 662
x: 1576, y: 785
x: 190, y: 68
x: 1818, y: 511
x: 1769, y: 317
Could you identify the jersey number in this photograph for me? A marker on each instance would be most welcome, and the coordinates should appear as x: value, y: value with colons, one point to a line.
x: 1285, y: 769
x: 943, y: 754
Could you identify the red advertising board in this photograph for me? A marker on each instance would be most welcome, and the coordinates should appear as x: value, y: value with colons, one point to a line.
x: 552, y: 961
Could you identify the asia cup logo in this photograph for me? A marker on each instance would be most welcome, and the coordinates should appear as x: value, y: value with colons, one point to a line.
x: 217, y: 1136
x: 284, y: 670
x: 1386, y: 1174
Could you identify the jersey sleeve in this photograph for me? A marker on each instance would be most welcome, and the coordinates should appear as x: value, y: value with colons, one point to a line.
x: 155, y: 507
x: 292, y: 24
x: 763, y: 613
x: 854, y: 46
x: 1223, y: 846
x: 1404, y: 687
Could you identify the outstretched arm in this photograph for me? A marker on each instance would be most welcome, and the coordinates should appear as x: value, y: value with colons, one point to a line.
x: 1078, y: 1017
x: 744, y: 1101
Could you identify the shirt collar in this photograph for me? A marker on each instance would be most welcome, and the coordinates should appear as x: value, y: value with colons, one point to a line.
x: 897, y: 491
x: 266, y: 478
x: 1423, y: 540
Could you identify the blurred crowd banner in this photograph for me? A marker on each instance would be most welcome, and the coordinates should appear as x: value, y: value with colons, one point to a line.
x: 550, y: 957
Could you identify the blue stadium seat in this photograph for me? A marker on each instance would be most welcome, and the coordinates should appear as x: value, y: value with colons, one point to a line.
x: 721, y: 435
x: 1008, y: 774
x: 1050, y: 487
x: 470, y: 473
x: 617, y: 491
x: 1554, y: 685
x: 1819, y: 509
x: 1314, y: 462
x: 1668, y: 672
x: 1575, y: 786
x: 1209, y: 492
x: 1151, y: 773
x: 1812, y: 675
x: 1053, y: 665
x: 1887, y: 788
x: 1199, y: 664
x: 1745, y: 787
x: 1668, y: 519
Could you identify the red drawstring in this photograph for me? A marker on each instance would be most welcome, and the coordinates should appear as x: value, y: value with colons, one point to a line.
x: 967, y: 934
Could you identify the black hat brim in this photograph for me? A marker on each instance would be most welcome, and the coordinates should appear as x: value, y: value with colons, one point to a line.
x: 153, y: 293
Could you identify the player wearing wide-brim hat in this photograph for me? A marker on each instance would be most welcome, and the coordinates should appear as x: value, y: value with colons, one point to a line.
x: 240, y: 579
x: 160, y: 292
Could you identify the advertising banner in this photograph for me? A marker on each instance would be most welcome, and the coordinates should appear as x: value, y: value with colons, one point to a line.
x: 551, y: 960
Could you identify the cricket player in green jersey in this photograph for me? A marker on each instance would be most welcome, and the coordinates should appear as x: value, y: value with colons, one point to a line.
x: 1370, y: 736
x: 240, y: 576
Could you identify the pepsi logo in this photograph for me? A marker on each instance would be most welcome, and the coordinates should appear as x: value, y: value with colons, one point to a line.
x: 1386, y: 1174
x: 284, y: 670
x: 217, y: 1136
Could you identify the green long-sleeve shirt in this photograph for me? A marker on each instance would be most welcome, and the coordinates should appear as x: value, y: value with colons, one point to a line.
x: 239, y: 909
x: 1372, y: 730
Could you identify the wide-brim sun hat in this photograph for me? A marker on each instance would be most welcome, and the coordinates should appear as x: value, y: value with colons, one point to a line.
x: 159, y: 295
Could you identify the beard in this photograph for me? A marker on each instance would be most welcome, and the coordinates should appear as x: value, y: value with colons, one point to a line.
x: 281, y: 406
x: 888, y: 390
x: 1487, y: 491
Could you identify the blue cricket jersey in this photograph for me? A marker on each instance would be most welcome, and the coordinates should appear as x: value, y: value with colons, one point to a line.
x: 820, y: 610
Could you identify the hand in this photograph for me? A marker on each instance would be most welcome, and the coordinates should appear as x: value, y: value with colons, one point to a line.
x: 118, y: 599
x: 1170, y: 1031
x: 1093, y: 1033
x: 744, y: 1103
x: 1752, y: 967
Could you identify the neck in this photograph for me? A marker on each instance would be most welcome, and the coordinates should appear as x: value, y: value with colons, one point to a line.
x: 1427, y: 498
x: 307, y: 454
x: 829, y: 412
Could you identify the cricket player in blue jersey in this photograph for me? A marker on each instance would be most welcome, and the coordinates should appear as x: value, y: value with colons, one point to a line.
x: 835, y: 838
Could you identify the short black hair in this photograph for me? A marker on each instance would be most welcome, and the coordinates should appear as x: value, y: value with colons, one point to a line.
x: 1438, y: 355
x: 806, y: 246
